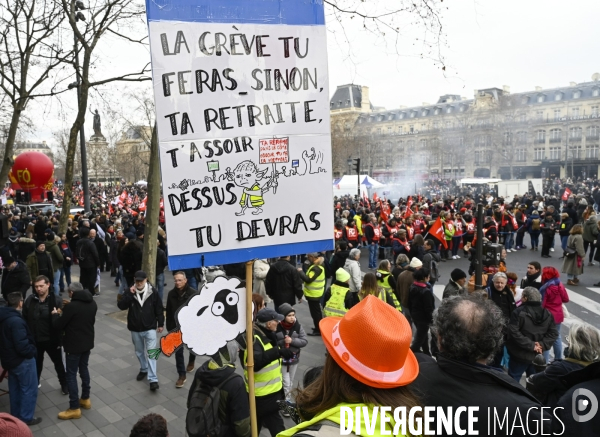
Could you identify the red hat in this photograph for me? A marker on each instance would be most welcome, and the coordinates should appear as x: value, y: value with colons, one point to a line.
x: 10, y: 426
x: 371, y: 343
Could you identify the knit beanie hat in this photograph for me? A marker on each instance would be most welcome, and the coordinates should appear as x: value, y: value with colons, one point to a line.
x: 285, y: 309
x: 10, y: 426
x: 457, y: 275
x: 415, y: 263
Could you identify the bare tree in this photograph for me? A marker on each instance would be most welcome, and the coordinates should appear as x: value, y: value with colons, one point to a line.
x: 31, y: 55
x: 152, y: 209
x: 61, y: 138
x: 110, y: 16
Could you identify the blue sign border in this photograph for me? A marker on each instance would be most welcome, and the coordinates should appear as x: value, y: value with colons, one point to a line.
x: 291, y: 12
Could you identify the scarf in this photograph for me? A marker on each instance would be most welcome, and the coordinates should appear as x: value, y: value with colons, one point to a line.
x: 553, y: 281
x: 143, y: 294
x: 287, y: 326
x: 533, y: 278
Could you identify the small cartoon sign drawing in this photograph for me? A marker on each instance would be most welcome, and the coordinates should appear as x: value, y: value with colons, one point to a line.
x: 247, y: 175
x: 210, y: 319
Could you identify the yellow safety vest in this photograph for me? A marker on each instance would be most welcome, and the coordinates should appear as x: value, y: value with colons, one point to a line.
x: 388, y: 289
x: 335, y: 306
x: 358, y: 222
x: 268, y: 379
x: 255, y: 201
x: 317, y: 287
x: 333, y: 415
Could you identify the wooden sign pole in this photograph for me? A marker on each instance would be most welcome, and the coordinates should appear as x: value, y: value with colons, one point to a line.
x: 250, y: 349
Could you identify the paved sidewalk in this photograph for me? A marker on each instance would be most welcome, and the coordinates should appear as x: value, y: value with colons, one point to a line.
x: 118, y: 400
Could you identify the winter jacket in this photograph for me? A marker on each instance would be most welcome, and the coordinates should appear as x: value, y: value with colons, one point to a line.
x: 260, y: 269
x: 450, y: 383
x: 548, y: 227
x: 565, y: 227
x: 453, y: 289
x: 55, y: 253
x: 65, y: 250
x: 87, y: 254
x: 587, y: 378
x: 161, y: 261
x: 176, y: 300
x: 530, y: 323
x: 26, y: 247
x: 505, y: 300
x: 416, y: 251
x: 534, y: 281
x: 77, y: 323
x: 339, y: 260
x: 352, y: 266
x: 590, y: 229
x: 571, y: 265
x: 554, y: 297
x: 31, y: 314
x: 34, y: 268
x: 130, y: 257
x: 283, y: 284
x: 146, y: 318
x: 430, y: 255
x: 17, y: 279
x: 234, y: 410
x: 16, y: 341
x: 299, y: 340
x: 421, y: 303
x: 548, y: 386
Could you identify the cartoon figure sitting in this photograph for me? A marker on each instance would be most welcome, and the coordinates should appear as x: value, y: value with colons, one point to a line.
x: 246, y: 175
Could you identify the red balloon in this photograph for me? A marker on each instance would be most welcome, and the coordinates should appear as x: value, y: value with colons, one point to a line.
x: 33, y: 170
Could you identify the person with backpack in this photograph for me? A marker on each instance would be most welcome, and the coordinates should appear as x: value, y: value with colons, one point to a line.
x: 290, y: 335
x: 88, y: 258
x: 217, y: 401
x: 422, y: 304
x: 590, y: 233
x: 533, y: 228
x: 430, y: 262
x: 548, y: 228
x: 566, y: 223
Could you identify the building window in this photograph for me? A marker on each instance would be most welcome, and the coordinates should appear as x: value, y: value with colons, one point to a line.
x: 577, y: 94
x: 591, y: 151
x: 539, y: 115
x: 389, y: 132
x: 412, y: 114
x: 594, y: 111
x: 411, y: 128
x: 541, y: 98
x: 575, y: 112
x: 425, y: 112
x: 539, y: 154
x: 435, y: 125
x: 575, y: 133
x: 521, y: 155
x: 558, y: 96
x: 541, y: 136
x: 437, y: 111
x: 521, y: 137
x: 592, y: 132
x: 555, y: 134
x: 411, y: 145
x: 434, y: 159
x: 595, y: 92
x: 449, y: 109
x: 507, y: 137
x: 554, y: 153
x: 401, y: 116
x: 576, y: 152
x: 423, y: 144
x: 556, y: 114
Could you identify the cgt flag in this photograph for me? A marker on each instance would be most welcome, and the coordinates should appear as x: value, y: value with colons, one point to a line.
x: 437, y: 230
x: 566, y: 194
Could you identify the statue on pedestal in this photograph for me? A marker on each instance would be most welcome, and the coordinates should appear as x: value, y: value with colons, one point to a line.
x: 97, y: 124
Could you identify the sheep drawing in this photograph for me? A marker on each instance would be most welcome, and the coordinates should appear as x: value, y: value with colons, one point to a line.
x: 211, y: 319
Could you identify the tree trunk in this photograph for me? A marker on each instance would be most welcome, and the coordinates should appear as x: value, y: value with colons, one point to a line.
x: 8, y: 161
x: 152, y: 210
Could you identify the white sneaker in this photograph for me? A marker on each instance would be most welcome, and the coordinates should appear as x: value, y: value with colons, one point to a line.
x: 457, y: 257
x: 551, y: 249
x: 454, y: 257
x: 40, y: 385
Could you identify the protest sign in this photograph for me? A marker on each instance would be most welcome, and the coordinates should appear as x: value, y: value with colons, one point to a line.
x: 242, y: 107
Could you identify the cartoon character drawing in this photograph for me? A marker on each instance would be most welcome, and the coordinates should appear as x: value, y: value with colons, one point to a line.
x: 246, y: 175
x: 209, y: 320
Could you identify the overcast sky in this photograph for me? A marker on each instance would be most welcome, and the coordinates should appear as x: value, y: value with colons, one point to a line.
x: 519, y: 43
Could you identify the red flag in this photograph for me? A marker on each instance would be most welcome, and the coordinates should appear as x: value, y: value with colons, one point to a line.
x: 408, y: 212
x: 409, y: 202
x: 366, y: 200
x: 81, y: 202
x: 566, y: 194
x: 123, y: 195
x: 437, y: 230
x: 142, y: 206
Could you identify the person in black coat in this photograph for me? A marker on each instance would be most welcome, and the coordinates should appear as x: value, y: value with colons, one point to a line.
x: 130, y: 258
x: 584, y: 348
x: 421, y: 303
x: 283, y: 283
x: 76, y: 322
x: 531, y: 331
x: 339, y: 257
x: 462, y: 377
x: 89, y: 261
x: 15, y: 277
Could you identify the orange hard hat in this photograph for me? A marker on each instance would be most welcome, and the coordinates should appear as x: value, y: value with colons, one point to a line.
x: 372, y: 344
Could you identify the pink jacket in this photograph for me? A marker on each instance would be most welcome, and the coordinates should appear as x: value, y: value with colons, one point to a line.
x: 554, y: 297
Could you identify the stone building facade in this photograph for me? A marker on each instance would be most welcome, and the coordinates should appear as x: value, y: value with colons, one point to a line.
x: 540, y: 133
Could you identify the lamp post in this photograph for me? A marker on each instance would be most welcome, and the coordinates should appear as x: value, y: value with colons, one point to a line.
x: 76, y: 7
x: 350, y: 162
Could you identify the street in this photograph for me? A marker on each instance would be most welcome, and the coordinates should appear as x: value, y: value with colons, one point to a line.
x: 118, y: 400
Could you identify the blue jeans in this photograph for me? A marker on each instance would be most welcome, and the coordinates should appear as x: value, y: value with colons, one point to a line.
x: 557, y: 347
x: 456, y: 244
x: 160, y: 284
x: 517, y: 367
x: 23, y: 387
x: 535, y: 239
x: 65, y: 275
x: 57, y: 282
x: 77, y: 362
x: 563, y: 242
x: 508, y: 240
x: 123, y: 284
x: 180, y: 361
x: 373, y: 250
x: 143, y: 342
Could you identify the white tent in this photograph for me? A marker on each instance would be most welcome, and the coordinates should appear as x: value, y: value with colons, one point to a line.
x: 348, y: 184
x: 141, y: 183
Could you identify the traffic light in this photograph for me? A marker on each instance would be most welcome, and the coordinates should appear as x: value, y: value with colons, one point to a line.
x: 357, y: 165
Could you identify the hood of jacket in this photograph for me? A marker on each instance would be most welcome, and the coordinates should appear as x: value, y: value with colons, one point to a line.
x: 281, y: 266
x: 342, y: 255
x: 50, y: 244
x: 26, y: 240
x: 8, y: 313
x: 82, y: 296
x: 535, y: 311
x: 214, y: 376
